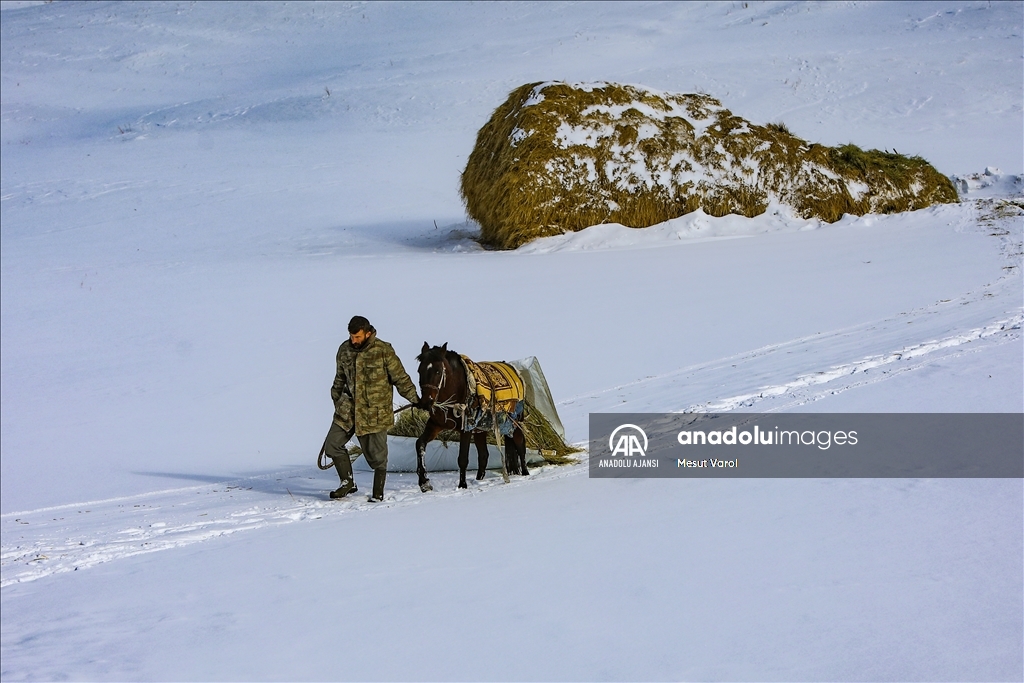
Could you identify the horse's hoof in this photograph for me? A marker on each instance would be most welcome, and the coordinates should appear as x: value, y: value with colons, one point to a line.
x: 480, y: 475
x: 426, y: 486
x: 462, y: 485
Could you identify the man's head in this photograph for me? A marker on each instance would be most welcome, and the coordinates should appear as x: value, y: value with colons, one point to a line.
x: 359, y: 331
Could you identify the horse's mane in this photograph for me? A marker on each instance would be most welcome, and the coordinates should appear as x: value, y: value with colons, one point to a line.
x: 437, y: 353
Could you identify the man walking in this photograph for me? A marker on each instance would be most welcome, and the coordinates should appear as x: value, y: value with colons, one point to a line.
x: 362, y: 391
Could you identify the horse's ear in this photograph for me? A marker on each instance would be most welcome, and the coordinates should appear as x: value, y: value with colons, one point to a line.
x: 426, y: 347
x: 444, y: 347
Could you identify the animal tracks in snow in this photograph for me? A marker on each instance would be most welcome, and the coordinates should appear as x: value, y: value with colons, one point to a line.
x: 842, y: 377
x: 782, y: 376
x: 56, y: 540
x: 794, y: 372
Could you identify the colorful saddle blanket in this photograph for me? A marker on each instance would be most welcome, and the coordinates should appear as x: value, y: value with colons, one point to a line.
x: 497, y: 386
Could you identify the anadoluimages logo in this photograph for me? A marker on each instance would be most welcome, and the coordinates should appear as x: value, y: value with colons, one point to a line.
x: 628, y: 443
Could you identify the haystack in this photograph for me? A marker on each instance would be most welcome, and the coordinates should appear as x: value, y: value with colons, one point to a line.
x: 558, y: 157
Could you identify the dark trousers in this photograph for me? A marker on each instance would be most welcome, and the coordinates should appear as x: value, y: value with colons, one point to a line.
x: 375, y: 450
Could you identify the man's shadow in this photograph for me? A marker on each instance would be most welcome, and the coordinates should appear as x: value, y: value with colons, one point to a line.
x: 293, y: 483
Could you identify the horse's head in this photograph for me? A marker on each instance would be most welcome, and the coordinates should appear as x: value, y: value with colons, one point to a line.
x: 434, y: 372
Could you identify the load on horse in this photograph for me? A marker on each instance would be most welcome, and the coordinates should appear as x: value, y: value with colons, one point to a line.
x: 475, y: 399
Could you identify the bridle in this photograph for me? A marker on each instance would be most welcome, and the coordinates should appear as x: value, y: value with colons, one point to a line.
x: 449, y: 403
x: 441, y: 382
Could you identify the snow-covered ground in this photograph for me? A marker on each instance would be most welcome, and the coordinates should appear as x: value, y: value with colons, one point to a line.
x: 196, y: 197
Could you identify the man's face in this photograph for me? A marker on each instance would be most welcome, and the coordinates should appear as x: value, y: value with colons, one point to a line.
x: 359, y: 338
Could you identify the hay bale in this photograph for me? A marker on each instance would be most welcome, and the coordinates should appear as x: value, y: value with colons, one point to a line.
x: 557, y: 157
x: 540, y: 436
x: 413, y: 421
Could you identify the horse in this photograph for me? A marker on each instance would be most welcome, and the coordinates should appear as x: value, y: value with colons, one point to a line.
x: 444, y: 388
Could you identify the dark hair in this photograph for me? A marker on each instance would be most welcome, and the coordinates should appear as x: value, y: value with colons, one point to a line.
x: 359, y: 323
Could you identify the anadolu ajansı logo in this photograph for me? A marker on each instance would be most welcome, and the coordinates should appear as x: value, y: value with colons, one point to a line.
x: 628, y: 443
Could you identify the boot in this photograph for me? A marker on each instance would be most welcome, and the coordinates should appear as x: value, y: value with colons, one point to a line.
x: 379, y: 477
x: 348, y: 482
x: 348, y: 486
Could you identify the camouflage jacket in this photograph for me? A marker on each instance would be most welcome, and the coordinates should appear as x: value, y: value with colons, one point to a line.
x: 362, y: 387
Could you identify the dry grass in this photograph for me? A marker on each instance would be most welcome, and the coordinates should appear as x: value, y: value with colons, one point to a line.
x: 1007, y: 208
x: 555, y: 158
x: 537, y: 430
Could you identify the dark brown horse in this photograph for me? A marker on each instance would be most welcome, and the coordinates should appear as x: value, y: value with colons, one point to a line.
x: 445, y: 392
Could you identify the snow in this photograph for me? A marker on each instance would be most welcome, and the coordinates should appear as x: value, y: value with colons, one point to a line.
x: 194, y: 199
x: 589, y: 133
x: 991, y: 183
x: 628, y: 166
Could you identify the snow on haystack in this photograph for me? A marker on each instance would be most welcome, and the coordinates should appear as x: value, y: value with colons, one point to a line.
x: 558, y: 157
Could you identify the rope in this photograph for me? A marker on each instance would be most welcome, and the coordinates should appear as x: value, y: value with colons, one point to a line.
x: 498, y: 441
x: 320, y: 458
x: 328, y: 463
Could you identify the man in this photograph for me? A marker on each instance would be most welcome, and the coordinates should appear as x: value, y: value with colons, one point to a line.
x: 367, y: 369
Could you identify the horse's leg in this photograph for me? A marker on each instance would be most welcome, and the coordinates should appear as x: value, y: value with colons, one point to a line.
x: 429, y: 432
x: 481, y: 454
x: 511, y: 455
x: 519, y: 439
x: 463, y: 458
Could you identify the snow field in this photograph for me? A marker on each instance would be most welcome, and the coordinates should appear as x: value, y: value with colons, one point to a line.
x: 194, y: 199
x: 564, y: 579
